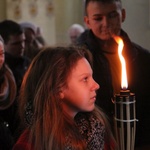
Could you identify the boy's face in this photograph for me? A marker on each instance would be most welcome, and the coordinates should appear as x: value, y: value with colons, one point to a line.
x: 2, y: 57
x: 104, y: 19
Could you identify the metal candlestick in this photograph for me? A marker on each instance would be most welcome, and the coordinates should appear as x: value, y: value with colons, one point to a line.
x: 125, y: 119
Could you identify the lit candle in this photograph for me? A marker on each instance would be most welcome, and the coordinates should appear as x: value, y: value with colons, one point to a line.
x: 124, y: 107
x: 124, y: 82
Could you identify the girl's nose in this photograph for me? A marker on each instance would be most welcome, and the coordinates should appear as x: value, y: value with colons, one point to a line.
x: 96, y: 85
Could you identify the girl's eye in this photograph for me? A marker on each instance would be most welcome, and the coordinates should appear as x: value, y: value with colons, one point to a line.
x: 85, y: 79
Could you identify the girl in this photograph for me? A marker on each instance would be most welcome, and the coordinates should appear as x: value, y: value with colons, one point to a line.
x: 57, y: 101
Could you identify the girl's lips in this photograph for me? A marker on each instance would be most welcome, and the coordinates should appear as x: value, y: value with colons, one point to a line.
x: 93, y: 98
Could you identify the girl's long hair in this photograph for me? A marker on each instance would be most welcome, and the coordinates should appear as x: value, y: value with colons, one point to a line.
x: 41, y: 86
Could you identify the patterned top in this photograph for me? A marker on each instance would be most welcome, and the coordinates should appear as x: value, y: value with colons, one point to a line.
x: 92, y: 130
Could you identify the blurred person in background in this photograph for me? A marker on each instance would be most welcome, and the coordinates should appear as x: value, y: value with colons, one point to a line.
x: 7, y: 96
x: 14, y: 44
x: 40, y: 37
x: 33, y: 42
x: 74, y: 32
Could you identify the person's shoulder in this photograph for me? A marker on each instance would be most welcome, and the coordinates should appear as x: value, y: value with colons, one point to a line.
x: 85, y: 33
x: 83, y: 36
x: 87, y: 40
x: 8, y: 56
x: 26, y: 60
x: 135, y: 45
x: 142, y: 53
x: 142, y: 59
x: 140, y: 48
x: 23, y: 142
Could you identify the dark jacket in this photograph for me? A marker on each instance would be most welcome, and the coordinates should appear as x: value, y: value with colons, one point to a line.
x: 138, y: 73
x: 7, y: 98
x: 18, y: 67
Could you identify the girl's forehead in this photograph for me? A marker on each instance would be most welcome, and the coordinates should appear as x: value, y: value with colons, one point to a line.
x: 82, y: 66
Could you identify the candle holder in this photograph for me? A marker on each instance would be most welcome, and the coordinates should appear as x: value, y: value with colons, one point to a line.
x: 125, y: 119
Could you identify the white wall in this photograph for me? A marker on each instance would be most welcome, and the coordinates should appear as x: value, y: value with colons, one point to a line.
x: 23, y: 10
x: 66, y: 12
x: 55, y: 25
x: 137, y: 23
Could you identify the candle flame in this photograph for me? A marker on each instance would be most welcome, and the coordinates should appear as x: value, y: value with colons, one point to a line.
x: 124, y: 83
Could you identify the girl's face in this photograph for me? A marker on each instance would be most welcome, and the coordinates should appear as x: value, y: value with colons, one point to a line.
x: 2, y: 58
x: 80, y: 94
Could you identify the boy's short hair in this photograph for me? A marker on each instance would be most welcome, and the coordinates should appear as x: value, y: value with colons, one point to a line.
x: 102, y: 1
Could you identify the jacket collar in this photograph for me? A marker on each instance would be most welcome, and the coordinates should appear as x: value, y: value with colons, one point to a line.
x: 94, y: 44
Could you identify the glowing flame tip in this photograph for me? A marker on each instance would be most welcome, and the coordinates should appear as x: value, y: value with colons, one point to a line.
x: 120, y: 43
